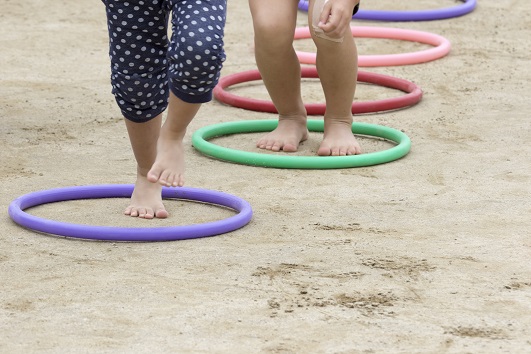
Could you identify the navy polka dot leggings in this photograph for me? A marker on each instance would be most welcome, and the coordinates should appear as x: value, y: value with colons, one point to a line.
x: 145, y: 65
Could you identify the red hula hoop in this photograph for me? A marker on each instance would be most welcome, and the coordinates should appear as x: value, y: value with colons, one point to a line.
x: 413, y: 93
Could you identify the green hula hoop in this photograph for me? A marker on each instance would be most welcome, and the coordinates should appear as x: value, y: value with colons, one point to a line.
x: 201, y: 136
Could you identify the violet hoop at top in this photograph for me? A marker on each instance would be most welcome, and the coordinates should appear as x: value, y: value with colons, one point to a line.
x: 109, y: 233
x: 413, y: 93
x: 441, y: 45
x: 417, y: 15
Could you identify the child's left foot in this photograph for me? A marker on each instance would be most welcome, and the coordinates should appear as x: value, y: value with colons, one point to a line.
x: 146, y: 201
x: 168, y: 169
x: 339, y: 140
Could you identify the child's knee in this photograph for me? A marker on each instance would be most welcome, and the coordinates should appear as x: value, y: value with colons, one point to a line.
x: 273, y: 37
x: 140, y: 97
x: 194, y: 69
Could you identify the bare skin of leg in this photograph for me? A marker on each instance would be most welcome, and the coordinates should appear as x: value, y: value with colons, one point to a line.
x: 160, y: 158
x: 168, y: 168
x: 337, y: 64
x: 146, y: 200
x: 274, y: 24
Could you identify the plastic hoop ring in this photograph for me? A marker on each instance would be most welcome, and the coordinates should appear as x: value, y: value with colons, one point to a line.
x: 413, y: 93
x: 200, y: 137
x: 109, y: 233
x: 419, y: 15
x: 441, y: 45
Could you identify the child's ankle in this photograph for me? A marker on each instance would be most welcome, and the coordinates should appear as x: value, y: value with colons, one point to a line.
x: 142, y: 172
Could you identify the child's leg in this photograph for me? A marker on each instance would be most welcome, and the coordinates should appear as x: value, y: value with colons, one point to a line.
x: 195, y: 59
x: 337, y: 64
x: 137, y: 49
x: 146, y: 201
x: 140, y: 68
x: 160, y: 157
x: 168, y: 167
x: 274, y: 24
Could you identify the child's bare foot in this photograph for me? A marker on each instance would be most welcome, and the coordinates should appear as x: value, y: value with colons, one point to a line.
x: 146, y: 201
x: 287, y: 136
x: 339, y: 140
x: 168, y: 169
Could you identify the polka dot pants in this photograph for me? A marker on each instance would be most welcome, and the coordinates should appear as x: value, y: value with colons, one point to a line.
x: 145, y: 65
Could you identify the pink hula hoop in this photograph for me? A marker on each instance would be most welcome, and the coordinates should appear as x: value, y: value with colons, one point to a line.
x: 413, y: 93
x: 441, y: 45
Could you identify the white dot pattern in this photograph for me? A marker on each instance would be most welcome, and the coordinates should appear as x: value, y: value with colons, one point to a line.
x: 145, y: 64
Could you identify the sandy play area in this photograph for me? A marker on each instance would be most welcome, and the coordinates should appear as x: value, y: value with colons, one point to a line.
x: 427, y: 254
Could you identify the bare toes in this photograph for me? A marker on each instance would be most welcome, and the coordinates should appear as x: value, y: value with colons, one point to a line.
x: 148, y: 214
x: 324, y: 151
x: 276, y: 147
x: 354, y: 151
x: 172, y: 180
x: 161, y: 214
x: 153, y: 175
x: 180, y: 183
x: 141, y: 212
x: 290, y: 148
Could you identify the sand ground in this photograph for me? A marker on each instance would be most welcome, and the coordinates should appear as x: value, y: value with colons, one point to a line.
x: 428, y: 254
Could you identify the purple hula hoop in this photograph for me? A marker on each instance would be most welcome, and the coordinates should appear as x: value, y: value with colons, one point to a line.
x: 419, y: 15
x: 109, y: 233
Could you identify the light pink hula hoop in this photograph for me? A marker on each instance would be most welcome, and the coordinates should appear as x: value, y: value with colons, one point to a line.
x: 441, y: 46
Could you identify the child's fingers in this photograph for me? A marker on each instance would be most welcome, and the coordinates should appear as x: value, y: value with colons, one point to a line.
x: 325, y: 14
x: 336, y: 25
x: 332, y: 26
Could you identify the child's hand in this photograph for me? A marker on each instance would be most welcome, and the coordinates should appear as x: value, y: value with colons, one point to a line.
x: 336, y: 16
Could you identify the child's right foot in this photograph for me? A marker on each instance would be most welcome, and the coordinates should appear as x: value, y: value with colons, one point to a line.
x: 146, y: 201
x: 287, y: 136
x: 168, y: 169
x: 338, y: 140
